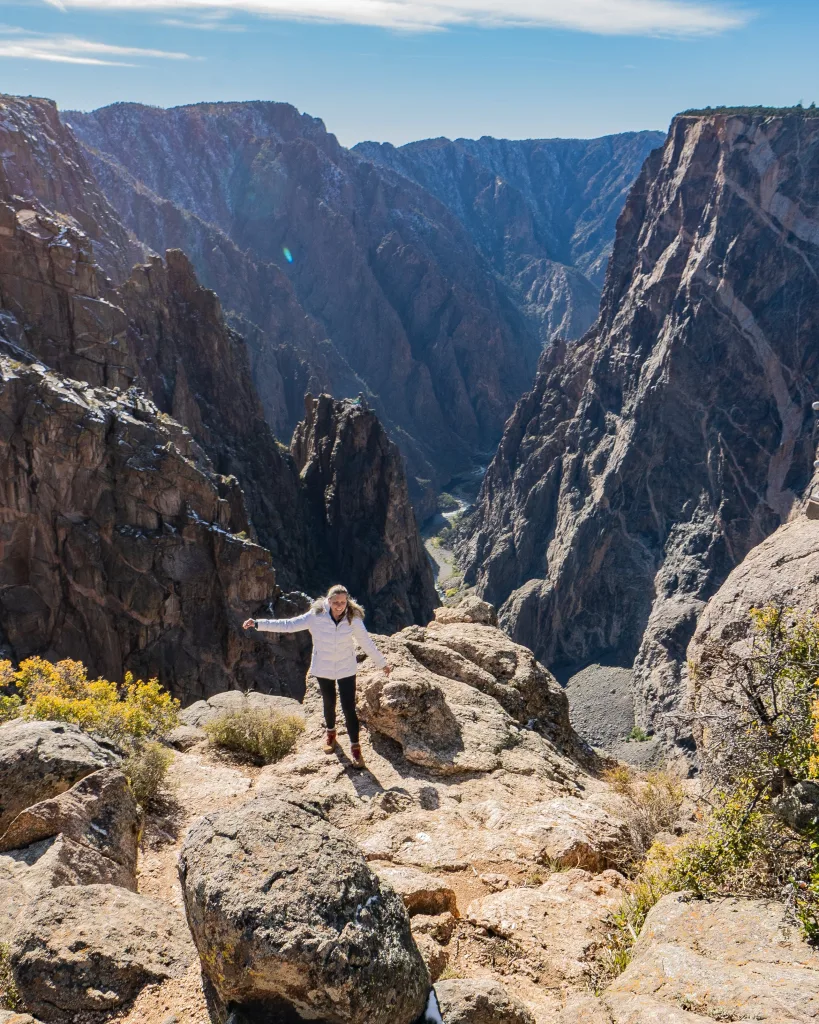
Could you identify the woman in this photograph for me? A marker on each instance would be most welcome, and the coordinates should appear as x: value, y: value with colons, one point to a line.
x: 334, y: 621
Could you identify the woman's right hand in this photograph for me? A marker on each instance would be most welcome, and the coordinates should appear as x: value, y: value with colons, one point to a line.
x: 249, y: 624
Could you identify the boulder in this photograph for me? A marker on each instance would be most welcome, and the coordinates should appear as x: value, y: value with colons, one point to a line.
x: 434, y: 955
x: 461, y: 696
x: 30, y: 872
x: 183, y: 737
x: 39, y: 760
x: 468, y: 609
x: 476, y: 1001
x: 421, y: 892
x: 441, y: 724
x: 484, y: 657
x: 798, y: 806
x: 11, y: 1017
x: 99, y: 811
x: 274, y: 885
x: 231, y: 701
x: 556, y: 925
x: 438, y: 926
x: 735, y: 959
x: 93, y: 947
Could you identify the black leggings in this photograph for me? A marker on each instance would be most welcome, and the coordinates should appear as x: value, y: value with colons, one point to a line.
x: 346, y: 690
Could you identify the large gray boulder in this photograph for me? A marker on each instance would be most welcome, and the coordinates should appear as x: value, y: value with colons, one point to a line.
x: 474, y: 1001
x: 38, y: 760
x: 99, y: 812
x: 93, y: 948
x: 292, y: 925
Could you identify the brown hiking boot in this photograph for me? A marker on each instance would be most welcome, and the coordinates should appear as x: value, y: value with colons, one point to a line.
x: 358, y: 757
x: 330, y: 741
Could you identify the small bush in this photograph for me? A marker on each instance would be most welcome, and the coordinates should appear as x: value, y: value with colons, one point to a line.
x: 651, y: 804
x: 62, y: 692
x: 9, y: 996
x: 264, y: 736
x: 451, y: 592
x: 638, y: 735
x: 626, y: 922
x: 146, y: 767
x: 447, y: 503
x: 10, y: 707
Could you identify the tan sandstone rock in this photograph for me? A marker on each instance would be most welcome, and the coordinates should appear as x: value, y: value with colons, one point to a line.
x: 556, y: 925
x: 421, y: 892
x: 734, y: 957
x: 474, y: 1001
x: 93, y: 947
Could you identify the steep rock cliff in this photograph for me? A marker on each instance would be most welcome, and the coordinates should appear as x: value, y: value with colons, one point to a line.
x: 355, y: 486
x: 649, y: 460
x: 41, y: 160
x: 387, y: 272
x: 543, y: 211
x: 121, y: 546
x: 141, y: 471
x: 164, y: 333
x: 289, y: 350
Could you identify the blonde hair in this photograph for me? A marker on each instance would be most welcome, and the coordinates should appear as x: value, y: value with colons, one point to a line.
x: 353, y: 610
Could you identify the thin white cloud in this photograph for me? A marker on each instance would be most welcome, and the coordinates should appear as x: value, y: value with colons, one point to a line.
x: 603, y: 17
x: 208, y: 25
x: 73, y: 50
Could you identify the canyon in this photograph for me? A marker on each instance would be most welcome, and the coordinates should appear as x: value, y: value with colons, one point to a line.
x: 147, y: 507
x: 385, y: 310
x: 350, y: 272
x: 650, y: 458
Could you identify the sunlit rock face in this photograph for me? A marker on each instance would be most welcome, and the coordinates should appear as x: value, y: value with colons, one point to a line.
x: 542, y: 211
x: 651, y: 458
x: 398, y: 302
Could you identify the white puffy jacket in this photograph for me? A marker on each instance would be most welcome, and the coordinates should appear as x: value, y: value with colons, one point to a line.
x: 333, y: 648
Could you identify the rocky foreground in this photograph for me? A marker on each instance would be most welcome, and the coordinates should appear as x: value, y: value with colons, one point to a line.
x: 480, y: 850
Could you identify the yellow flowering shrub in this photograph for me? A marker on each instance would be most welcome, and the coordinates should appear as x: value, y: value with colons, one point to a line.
x: 63, y: 692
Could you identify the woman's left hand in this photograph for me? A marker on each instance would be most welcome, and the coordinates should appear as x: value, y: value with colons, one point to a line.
x: 387, y: 670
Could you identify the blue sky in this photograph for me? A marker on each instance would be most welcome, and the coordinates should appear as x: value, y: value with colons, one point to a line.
x: 399, y: 70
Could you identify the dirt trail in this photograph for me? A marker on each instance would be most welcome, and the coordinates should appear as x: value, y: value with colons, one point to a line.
x: 198, y: 782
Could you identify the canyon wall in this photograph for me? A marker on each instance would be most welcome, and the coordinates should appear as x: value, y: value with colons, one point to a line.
x: 147, y: 507
x: 651, y: 458
x: 542, y: 211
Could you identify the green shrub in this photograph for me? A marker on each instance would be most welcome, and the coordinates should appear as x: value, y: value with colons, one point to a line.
x: 626, y: 922
x: 10, y: 707
x: 264, y: 736
x: 446, y: 503
x: 638, y: 735
x: 762, y: 735
x: 9, y: 996
x: 146, y: 767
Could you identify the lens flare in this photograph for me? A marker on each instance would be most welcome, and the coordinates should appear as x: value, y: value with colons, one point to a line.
x: 288, y: 255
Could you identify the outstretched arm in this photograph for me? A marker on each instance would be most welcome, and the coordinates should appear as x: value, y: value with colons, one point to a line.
x: 295, y: 625
x: 366, y: 642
